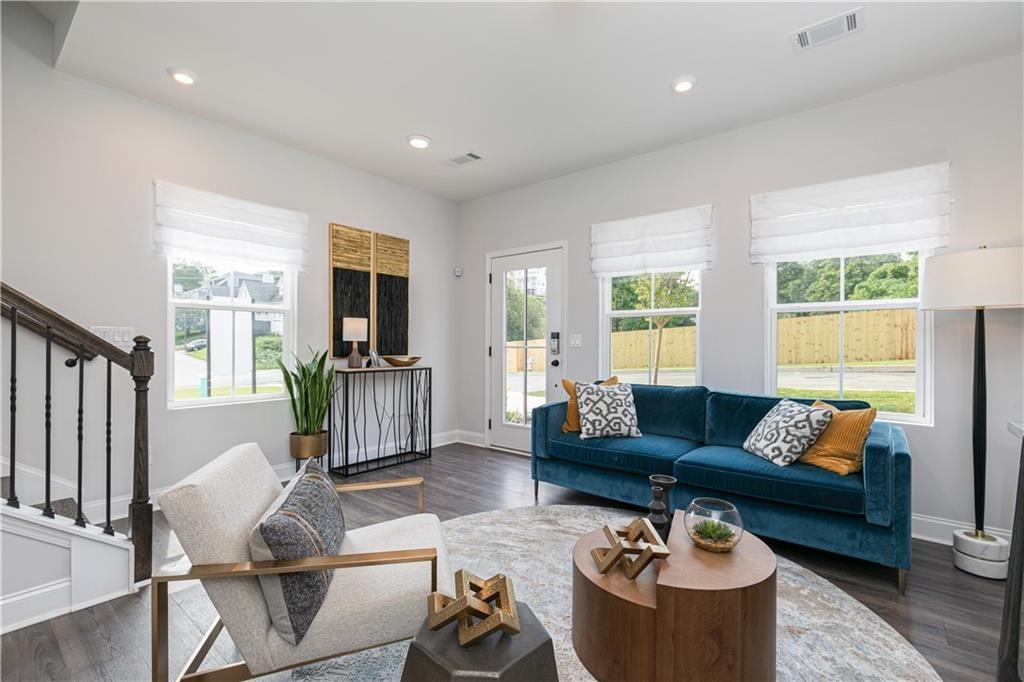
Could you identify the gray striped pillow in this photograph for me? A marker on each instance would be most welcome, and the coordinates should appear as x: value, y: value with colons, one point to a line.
x: 304, y: 521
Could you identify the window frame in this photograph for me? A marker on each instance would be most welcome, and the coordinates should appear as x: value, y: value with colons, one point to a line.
x: 923, y: 367
x: 287, y: 308
x: 607, y: 314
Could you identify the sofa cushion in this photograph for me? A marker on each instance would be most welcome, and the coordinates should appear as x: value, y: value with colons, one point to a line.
x: 732, y: 470
x: 732, y: 416
x: 676, y: 411
x: 649, y: 454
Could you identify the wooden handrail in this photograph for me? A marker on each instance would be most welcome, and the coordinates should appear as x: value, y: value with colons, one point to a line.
x: 139, y: 362
x: 36, y: 317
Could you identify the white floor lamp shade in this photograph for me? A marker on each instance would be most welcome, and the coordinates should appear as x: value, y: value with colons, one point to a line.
x: 965, y: 280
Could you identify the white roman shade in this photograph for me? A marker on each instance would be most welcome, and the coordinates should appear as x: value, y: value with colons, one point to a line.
x: 662, y: 242
x: 903, y: 210
x: 201, y: 223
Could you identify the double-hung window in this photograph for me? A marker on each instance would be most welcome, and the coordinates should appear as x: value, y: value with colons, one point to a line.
x: 849, y: 327
x: 651, y: 325
x: 231, y: 281
x: 844, y: 264
x: 649, y: 269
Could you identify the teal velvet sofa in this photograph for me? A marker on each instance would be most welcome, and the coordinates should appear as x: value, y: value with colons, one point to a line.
x: 697, y: 436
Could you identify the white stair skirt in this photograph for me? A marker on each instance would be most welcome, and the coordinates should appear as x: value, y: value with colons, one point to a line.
x: 51, y: 566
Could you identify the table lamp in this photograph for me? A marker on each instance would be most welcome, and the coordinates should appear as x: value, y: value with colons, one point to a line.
x: 966, y: 280
x: 355, y: 329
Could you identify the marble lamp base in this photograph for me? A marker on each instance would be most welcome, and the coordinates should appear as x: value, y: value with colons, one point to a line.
x: 985, y: 556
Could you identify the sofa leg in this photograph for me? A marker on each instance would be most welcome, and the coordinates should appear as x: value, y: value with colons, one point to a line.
x: 901, y: 581
x: 536, y: 490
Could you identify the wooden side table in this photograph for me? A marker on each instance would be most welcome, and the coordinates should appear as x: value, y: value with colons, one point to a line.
x: 695, y: 616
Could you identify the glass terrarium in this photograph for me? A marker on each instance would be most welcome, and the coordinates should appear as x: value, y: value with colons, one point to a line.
x: 713, y: 525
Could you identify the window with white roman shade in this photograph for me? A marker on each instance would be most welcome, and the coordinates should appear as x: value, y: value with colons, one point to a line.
x: 650, y: 272
x: 663, y: 242
x: 201, y: 223
x: 231, y: 297
x: 898, y: 211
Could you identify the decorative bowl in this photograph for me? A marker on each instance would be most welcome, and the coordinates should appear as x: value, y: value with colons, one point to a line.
x: 401, y: 360
x: 713, y: 525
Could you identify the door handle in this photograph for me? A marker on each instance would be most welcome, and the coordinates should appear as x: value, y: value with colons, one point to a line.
x: 554, y: 363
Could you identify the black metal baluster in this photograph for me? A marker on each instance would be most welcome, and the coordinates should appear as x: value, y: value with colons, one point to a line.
x: 47, y: 423
x: 12, y: 495
x: 108, y: 529
x: 80, y: 519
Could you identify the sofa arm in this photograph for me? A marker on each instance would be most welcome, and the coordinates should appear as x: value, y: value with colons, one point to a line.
x: 547, y: 421
x: 886, y: 474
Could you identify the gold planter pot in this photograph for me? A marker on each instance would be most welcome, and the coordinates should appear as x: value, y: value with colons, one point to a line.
x: 305, y: 447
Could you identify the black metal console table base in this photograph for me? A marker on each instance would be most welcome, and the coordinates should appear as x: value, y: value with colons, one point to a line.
x: 380, y: 418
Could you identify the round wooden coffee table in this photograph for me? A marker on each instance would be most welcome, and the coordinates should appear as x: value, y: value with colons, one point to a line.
x: 695, y: 616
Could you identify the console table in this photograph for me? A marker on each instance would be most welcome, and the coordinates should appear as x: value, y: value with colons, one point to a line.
x: 379, y: 417
x: 694, y: 616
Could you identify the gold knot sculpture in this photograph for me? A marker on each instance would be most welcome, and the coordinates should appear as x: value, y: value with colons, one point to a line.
x: 638, y: 539
x: 481, y: 607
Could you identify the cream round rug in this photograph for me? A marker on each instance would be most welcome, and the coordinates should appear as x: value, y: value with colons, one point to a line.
x: 823, y: 633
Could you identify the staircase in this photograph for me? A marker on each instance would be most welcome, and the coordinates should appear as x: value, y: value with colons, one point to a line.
x: 55, y: 560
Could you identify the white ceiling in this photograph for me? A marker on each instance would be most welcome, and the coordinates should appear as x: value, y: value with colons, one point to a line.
x: 538, y: 89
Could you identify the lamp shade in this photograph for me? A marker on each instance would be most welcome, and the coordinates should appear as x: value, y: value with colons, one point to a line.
x: 354, y: 328
x: 982, y: 278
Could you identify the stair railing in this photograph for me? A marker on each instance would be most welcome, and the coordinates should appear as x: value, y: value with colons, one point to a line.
x: 25, y: 313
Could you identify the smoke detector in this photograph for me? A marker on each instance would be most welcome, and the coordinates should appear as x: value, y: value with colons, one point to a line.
x: 826, y: 31
x: 463, y: 159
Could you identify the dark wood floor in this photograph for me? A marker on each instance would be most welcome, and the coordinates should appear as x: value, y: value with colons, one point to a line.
x: 951, y: 617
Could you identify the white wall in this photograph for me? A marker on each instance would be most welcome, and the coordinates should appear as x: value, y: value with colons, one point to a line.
x: 970, y: 117
x: 79, y: 163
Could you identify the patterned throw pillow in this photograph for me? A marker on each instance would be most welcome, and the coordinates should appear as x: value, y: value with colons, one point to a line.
x: 607, y: 410
x: 305, y: 521
x: 787, y: 431
x: 572, y: 410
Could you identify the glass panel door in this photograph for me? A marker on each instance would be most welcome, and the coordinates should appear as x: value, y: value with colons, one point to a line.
x: 525, y: 373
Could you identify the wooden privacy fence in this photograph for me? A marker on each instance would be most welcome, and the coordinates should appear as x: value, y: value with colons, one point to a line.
x: 516, y: 359
x: 871, y: 336
x: 678, y: 347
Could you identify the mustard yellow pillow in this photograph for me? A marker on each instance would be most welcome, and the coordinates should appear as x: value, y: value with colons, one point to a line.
x: 572, y: 411
x: 840, y: 448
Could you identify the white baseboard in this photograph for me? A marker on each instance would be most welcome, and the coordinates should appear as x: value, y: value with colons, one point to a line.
x: 936, y: 529
x: 470, y: 438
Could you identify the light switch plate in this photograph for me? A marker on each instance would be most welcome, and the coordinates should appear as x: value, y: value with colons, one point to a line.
x: 119, y: 336
x: 575, y: 340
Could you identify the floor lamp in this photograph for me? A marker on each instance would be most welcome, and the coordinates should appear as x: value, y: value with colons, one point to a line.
x: 977, y: 280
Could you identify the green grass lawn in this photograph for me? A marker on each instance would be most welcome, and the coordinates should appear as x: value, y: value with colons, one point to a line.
x: 900, y: 402
x: 219, y: 392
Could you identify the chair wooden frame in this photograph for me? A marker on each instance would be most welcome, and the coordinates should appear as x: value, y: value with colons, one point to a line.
x: 236, y: 672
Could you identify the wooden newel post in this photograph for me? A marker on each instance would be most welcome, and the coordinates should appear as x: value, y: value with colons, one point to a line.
x: 141, y: 512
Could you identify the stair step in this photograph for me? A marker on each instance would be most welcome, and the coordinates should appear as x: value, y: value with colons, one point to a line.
x: 65, y: 506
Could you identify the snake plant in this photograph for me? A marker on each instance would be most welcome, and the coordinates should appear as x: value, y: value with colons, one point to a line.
x: 310, y: 388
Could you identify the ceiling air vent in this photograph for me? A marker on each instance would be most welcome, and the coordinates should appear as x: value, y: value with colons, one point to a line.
x: 463, y: 159
x: 828, y: 30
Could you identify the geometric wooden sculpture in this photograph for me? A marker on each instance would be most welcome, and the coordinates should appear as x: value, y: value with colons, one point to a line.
x: 492, y: 602
x: 638, y: 540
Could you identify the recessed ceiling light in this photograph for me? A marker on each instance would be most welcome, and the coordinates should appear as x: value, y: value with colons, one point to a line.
x: 419, y: 141
x: 182, y: 76
x: 684, y: 84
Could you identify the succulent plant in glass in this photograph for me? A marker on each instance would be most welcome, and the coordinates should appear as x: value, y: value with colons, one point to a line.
x: 713, y: 525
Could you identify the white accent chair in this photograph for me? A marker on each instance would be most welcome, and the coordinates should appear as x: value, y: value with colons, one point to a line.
x: 377, y: 596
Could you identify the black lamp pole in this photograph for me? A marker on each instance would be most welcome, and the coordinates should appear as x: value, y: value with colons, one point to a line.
x: 1008, y: 667
x: 979, y: 422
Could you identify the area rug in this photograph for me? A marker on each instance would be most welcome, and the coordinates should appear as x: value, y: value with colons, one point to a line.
x: 823, y: 633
